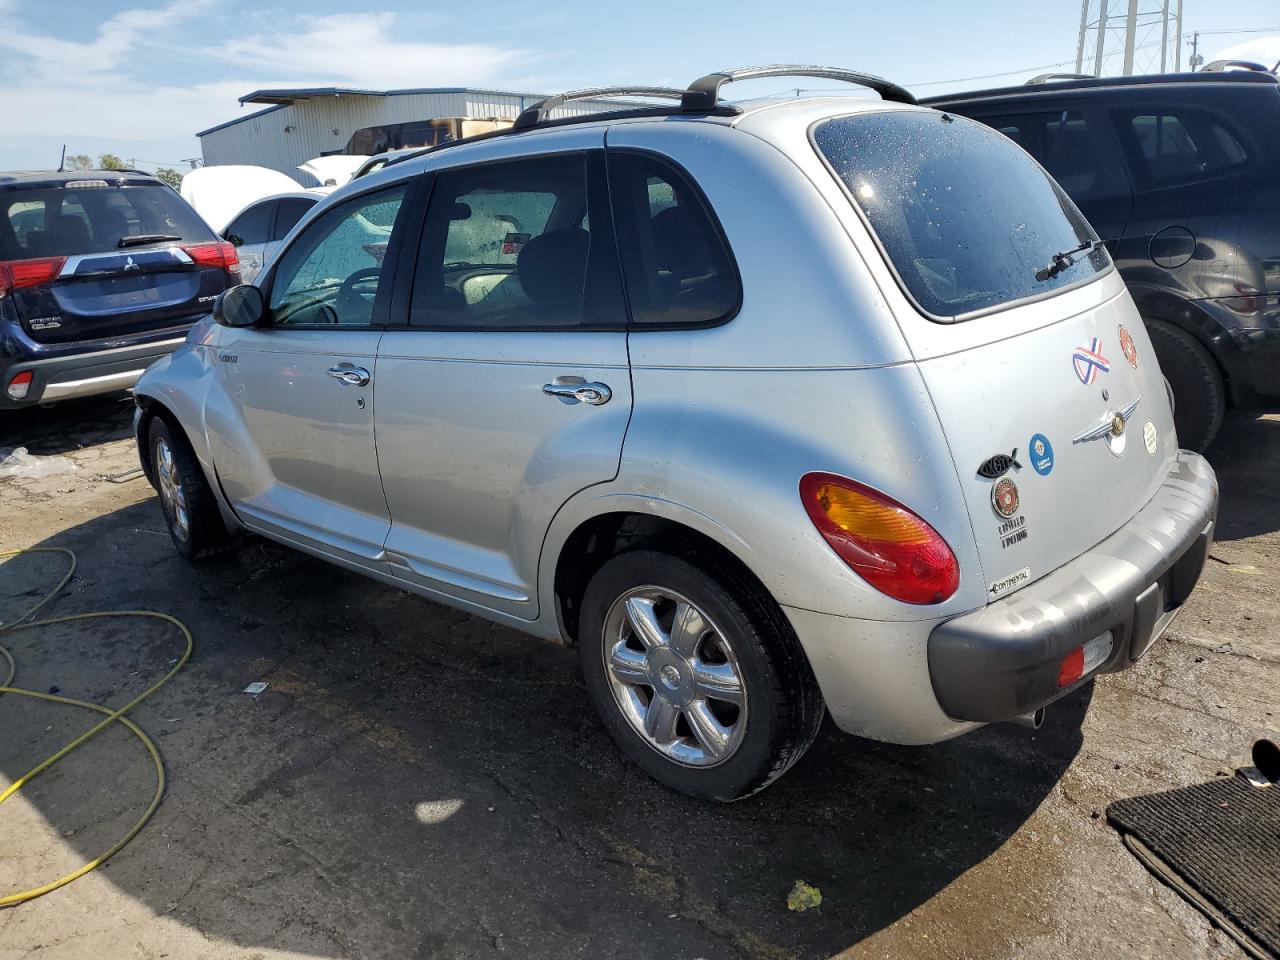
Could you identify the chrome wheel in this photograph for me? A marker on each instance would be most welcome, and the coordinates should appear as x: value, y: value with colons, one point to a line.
x: 674, y: 676
x: 172, y: 495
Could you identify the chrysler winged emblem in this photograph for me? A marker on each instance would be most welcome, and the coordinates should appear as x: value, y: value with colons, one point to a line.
x: 1111, y: 426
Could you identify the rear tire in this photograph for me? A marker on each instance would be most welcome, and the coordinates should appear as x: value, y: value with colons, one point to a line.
x: 731, y: 698
x: 190, y: 510
x: 1200, y: 396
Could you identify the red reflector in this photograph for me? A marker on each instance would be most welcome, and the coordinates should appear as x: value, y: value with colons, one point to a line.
x: 881, y: 540
x: 19, y: 385
x: 16, y: 274
x: 214, y: 254
x: 1072, y: 668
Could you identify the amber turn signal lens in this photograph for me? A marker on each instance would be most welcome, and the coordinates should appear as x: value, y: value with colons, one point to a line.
x: 886, y: 544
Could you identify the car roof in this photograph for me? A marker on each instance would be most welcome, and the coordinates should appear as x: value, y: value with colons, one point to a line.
x: 1101, y: 86
x: 765, y: 117
x: 54, y: 178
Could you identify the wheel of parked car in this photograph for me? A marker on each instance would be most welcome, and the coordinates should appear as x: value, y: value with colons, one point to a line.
x: 190, y: 511
x: 1199, y: 395
x: 698, y: 678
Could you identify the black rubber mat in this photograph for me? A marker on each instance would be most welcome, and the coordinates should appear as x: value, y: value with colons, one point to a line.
x: 1217, y: 844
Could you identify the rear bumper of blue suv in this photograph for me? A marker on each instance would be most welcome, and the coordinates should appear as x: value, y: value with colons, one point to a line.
x: 61, y: 371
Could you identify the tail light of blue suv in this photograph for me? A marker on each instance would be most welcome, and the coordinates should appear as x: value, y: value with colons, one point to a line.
x: 220, y: 254
x: 881, y: 540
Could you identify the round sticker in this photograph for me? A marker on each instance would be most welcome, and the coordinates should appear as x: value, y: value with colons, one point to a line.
x: 1126, y: 346
x: 1041, y: 455
x: 1150, y: 437
x: 1004, y: 497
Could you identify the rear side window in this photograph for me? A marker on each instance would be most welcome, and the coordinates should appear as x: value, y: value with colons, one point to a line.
x: 1062, y: 141
x: 92, y: 216
x: 288, y: 213
x: 1175, y: 145
x: 677, y: 265
x: 521, y: 244
x: 964, y: 217
x: 253, y: 225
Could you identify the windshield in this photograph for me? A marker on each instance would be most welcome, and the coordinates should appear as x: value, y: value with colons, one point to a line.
x: 90, y: 216
x: 967, y: 220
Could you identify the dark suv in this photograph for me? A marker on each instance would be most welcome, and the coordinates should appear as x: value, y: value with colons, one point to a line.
x: 1180, y: 175
x: 101, y: 273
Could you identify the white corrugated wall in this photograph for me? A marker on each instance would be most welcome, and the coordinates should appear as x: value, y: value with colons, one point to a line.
x: 283, y: 137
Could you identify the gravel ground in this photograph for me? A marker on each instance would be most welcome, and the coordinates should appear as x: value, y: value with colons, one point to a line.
x: 419, y: 783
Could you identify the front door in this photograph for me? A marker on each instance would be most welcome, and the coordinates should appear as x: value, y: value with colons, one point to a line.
x: 292, y: 425
x: 510, y: 390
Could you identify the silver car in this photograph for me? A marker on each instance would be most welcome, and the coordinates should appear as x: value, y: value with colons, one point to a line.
x: 774, y: 409
x: 256, y: 231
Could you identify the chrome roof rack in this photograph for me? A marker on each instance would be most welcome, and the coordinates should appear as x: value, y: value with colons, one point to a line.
x: 1222, y: 66
x: 700, y: 97
x: 1050, y: 77
x: 540, y: 112
x: 704, y: 93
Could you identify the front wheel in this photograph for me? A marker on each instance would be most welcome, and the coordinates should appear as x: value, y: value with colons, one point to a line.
x: 190, y: 510
x: 698, y: 678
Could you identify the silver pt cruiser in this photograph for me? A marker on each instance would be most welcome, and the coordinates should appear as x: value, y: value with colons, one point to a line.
x: 772, y: 408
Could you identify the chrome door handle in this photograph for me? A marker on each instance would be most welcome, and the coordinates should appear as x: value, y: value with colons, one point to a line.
x: 577, y: 390
x: 356, y: 376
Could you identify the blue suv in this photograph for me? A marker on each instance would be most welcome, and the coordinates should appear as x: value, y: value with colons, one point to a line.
x: 101, y: 273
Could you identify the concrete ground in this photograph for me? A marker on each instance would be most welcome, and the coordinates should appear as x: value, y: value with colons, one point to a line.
x: 418, y: 783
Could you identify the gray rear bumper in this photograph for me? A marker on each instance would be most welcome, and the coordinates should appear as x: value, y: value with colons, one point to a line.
x: 1002, y: 661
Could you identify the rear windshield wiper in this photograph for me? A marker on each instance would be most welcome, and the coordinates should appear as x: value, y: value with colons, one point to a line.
x: 1061, y: 261
x: 139, y: 239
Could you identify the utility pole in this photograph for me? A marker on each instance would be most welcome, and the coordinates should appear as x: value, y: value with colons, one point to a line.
x: 1196, y: 59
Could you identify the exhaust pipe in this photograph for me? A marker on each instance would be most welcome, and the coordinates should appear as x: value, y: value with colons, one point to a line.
x: 1034, y: 719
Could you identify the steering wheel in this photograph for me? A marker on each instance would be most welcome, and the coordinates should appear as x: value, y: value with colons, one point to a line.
x: 352, y: 300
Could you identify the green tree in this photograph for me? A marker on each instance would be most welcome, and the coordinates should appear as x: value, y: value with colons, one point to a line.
x: 78, y: 161
x: 170, y: 176
x: 109, y: 161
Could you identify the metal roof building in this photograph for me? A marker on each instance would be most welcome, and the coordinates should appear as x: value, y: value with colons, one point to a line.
x: 299, y: 124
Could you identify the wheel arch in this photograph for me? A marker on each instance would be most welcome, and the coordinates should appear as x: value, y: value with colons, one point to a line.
x: 1194, y: 318
x: 576, y: 548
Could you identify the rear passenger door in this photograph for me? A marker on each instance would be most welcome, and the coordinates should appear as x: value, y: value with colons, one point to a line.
x: 1204, y: 197
x: 505, y: 389
x: 1074, y: 143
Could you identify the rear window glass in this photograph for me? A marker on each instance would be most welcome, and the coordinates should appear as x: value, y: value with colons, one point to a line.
x: 94, y: 218
x: 965, y: 218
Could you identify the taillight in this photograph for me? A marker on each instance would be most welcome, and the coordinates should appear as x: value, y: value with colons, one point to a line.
x: 1085, y: 658
x: 19, y: 385
x: 16, y: 274
x: 1248, y: 299
x: 880, y: 539
x: 221, y: 254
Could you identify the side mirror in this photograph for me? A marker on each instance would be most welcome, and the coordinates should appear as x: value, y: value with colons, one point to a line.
x: 234, y: 239
x: 241, y: 306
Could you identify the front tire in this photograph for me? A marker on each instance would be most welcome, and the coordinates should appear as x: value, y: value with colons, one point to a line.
x: 699, y: 678
x: 1200, y: 397
x: 190, y: 510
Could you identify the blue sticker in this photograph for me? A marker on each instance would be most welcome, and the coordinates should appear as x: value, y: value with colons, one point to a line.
x: 1041, y: 455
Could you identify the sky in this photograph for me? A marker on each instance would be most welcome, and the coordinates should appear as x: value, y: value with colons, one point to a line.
x: 137, y: 78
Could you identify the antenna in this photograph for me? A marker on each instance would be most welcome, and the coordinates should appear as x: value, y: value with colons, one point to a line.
x: 62, y: 164
x: 1124, y: 37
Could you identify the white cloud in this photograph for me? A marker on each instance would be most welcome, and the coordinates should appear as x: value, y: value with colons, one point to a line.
x: 1263, y: 50
x: 118, y: 87
x: 361, y: 49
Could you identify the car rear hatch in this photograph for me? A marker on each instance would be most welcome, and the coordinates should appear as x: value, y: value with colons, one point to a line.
x: 106, y: 257
x: 1048, y: 391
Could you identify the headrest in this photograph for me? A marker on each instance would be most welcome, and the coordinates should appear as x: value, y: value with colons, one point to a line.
x: 552, y: 268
